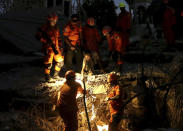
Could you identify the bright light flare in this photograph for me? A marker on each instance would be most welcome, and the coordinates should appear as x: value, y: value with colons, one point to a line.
x: 103, y: 128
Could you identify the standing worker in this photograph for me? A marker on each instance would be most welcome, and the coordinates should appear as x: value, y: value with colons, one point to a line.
x: 73, y: 37
x: 124, y: 23
x: 91, y: 40
x: 67, y: 103
x: 116, y: 46
x: 169, y: 21
x: 115, y: 102
x: 49, y: 35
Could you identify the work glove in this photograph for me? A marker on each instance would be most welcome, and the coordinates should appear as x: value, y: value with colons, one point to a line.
x: 108, y: 99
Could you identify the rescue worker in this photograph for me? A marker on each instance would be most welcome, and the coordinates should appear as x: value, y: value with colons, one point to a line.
x: 67, y: 103
x: 49, y: 35
x: 91, y: 40
x: 115, y: 101
x: 168, y: 23
x: 73, y: 36
x: 116, y: 46
x: 124, y: 23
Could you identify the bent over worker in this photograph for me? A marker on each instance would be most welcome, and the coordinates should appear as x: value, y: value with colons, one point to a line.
x: 49, y: 35
x: 67, y: 104
x: 115, y: 102
x: 116, y: 46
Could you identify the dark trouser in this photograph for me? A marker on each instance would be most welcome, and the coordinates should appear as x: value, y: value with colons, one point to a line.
x: 114, y: 125
x: 76, y: 56
x: 70, y: 120
x: 118, y: 59
x: 169, y: 35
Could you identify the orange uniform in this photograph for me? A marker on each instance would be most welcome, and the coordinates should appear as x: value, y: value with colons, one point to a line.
x: 168, y: 21
x: 72, y: 32
x: 54, y: 34
x: 91, y: 38
x: 124, y: 24
x: 68, y: 106
x: 115, y: 105
x: 116, y: 44
x: 119, y: 45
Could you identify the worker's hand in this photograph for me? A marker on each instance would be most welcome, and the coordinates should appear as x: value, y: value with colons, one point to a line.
x: 108, y: 99
x: 84, y: 78
x: 87, y: 92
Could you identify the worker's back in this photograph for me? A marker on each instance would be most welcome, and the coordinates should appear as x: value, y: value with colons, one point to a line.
x: 68, y: 94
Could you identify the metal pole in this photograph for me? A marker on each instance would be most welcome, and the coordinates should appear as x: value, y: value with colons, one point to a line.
x: 88, y: 120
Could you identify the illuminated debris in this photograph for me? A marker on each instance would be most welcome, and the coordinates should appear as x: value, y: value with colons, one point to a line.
x: 101, y: 126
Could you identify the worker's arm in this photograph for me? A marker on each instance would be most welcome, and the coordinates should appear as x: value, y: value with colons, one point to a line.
x: 117, y: 96
x: 80, y: 90
x: 114, y: 98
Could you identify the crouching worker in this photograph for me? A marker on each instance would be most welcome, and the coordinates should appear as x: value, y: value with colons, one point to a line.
x: 49, y: 35
x: 115, y: 102
x: 116, y: 46
x: 67, y: 104
x: 88, y: 65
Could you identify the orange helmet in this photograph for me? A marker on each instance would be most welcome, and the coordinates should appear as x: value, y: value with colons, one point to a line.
x: 91, y: 21
x: 69, y: 75
x: 52, y: 16
x: 106, y: 30
x: 112, y: 78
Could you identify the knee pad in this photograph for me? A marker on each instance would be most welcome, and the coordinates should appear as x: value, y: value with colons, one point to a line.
x: 48, y: 66
x: 59, y: 64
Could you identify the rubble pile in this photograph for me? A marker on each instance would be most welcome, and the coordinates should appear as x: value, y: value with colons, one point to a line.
x: 135, y: 112
x: 36, y: 110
